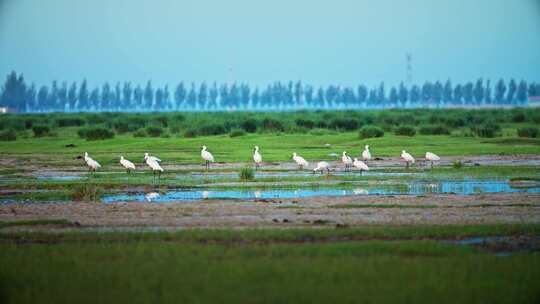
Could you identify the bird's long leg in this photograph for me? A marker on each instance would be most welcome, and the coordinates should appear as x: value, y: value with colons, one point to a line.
x: 407, y: 165
x: 432, y: 165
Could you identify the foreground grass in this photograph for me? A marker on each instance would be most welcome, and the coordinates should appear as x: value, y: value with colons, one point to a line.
x: 209, y: 266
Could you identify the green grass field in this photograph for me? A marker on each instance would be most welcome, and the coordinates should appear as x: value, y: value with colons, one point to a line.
x: 274, y: 148
x: 390, y: 264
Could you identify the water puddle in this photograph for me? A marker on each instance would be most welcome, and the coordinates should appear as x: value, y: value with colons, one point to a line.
x: 413, y: 188
x: 282, y: 174
x: 59, y: 177
x: 503, y: 245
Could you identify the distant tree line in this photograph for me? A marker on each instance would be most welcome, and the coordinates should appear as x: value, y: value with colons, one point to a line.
x: 18, y: 95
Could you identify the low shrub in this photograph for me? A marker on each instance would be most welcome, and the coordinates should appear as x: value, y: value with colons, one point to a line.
x: 249, y: 125
x: 96, y: 133
x: 213, y: 129
x: 69, y: 122
x: 405, y: 131
x: 344, y: 124
x: 8, y: 135
x: 455, y: 122
x: 270, y: 124
x: 518, y: 117
x: 434, y: 130
x: 370, y: 132
x: 247, y: 174
x: 40, y: 131
x: 531, y: 132
x: 487, y: 130
x: 140, y: 133
x: 93, y: 119
x: 237, y: 133
x: 190, y: 133
x: 306, y: 123
x: 161, y: 121
x: 179, y: 117
x: 154, y: 131
x: 12, y: 123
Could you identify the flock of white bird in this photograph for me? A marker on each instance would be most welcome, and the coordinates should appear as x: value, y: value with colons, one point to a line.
x: 322, y: 166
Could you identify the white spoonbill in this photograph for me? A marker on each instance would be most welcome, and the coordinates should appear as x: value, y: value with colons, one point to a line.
x: 300, y: 160
x: 347, y: 160
x: 407, y: 157
x: 322, y: 166
x: 207, y: 156
x: 126, y: 164
x: 432, y: 157
x: 366, y: 155
x: 153, y: 163
x: 257, y: 157
x: 152, y: 158
x: 360, y: 165
x: 92, y: 164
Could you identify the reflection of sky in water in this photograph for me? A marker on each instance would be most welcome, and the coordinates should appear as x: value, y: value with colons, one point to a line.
x: 416, y: 188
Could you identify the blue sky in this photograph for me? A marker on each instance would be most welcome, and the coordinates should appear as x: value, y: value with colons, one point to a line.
x: 320, y: 42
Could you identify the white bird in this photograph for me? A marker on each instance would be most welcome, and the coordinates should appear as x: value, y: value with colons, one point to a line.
x: 347, y: 160
x: 207, y: 156
x: 257, y: 157
x: 321, y: 166
x: 407, y: 158
x: 300, y: 161
x: 360, y: 165
x: 92, y: 164
x: 153, y: 163
x: 432, y: 157
x: 366, y: 155
x: 153, y: 158
x: 126, y: 164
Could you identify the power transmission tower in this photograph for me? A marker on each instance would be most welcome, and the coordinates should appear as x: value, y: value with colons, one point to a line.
x: 409, y: 69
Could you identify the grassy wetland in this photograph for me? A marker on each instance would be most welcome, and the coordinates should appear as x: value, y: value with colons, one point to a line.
x: 465, y: 230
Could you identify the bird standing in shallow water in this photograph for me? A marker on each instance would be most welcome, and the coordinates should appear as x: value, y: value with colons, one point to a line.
x: 300, y: 161
x: 432, y: 157
x: 347, y: 160
x: 153, y: 163
x: 257, y: 157
x: 366, y: 155
x: 92, y: 164
x: 360, y: 165
x: 321, y: 166
x: 407, y: 158
x: 127, y: 164
x: 207, y: 156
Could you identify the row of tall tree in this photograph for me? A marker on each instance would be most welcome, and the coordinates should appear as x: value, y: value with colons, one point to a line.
x: 19, y: 96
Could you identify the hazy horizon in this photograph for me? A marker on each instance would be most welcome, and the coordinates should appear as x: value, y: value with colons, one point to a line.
x: 343, y: 43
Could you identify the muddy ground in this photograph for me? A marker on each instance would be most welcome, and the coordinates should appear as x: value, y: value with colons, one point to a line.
x: 308, y: 212
x: 46, y: 167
